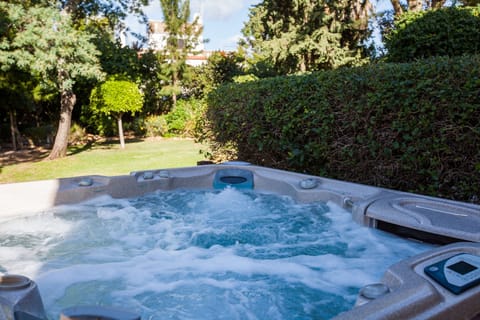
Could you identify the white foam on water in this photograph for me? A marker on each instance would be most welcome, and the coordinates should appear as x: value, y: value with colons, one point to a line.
x: 200, y: 255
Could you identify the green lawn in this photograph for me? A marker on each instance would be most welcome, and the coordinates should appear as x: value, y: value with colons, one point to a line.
x: 108, y: 159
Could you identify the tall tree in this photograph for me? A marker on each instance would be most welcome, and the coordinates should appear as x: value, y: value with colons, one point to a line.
x: 13, y: 82
x: 418, y: 5
x: 449, y: 32
x: 307, y: 35
x: 47, y: 44
x: 389, y: 20
x: 15, y: 89
x: 220, y: 68
x: 182, y: 39
x: 114, y: 10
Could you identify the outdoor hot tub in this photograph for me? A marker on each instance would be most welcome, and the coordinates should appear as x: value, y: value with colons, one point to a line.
x: 437, y: 275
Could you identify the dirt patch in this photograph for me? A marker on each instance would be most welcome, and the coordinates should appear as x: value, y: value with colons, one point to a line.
x: 9, y: 157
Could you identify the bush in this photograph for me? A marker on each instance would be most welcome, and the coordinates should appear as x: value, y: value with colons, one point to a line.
x: 78, y: 135
x: 182, y: 118
x: 443, y: 32
x: 98, y: 123
x: 40, y: 136
x: 411, y: 127
x: 155, y: 126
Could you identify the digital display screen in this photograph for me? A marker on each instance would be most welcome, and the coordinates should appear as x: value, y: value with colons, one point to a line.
x: 462, y: 267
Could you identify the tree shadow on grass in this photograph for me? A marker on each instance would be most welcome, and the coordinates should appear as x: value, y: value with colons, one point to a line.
x: 104, y: 144
x: 35, y: 154
x: 73, y: 150
x: 11, y: 157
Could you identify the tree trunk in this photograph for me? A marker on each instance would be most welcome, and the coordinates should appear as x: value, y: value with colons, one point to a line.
x: 12, y: 130
x: 397, y: 7
x: 437, y: 4
x: 415, y: 5
x: 16, y: 137
x: 120, y: 131
x: 67, y: 102
x: 174, y: 85
x: 303, y: 63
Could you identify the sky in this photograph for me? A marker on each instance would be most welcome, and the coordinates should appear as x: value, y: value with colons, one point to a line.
x: 222, y: 20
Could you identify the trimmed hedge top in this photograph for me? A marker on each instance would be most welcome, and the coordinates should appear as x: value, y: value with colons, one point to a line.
x: 412, y: 127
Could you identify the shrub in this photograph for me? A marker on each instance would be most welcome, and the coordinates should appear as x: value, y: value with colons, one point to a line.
x: 39, y: 136
x: 411, y: 127
x: 155, y: 126
x: 182, y: 118
x: 97, y: 123
x: 443, y: 32
x: 78, y: 135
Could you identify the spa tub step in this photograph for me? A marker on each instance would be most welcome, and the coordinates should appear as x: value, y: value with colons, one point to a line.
x: 445, y: 218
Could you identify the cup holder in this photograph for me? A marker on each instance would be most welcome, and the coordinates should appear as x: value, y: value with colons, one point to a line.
x: 14, y: 282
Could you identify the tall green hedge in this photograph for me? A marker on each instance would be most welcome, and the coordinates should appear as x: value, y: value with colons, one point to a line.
x: 412, y: 127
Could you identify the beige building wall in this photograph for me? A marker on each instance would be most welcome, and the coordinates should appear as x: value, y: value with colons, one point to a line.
x: 157, y: 40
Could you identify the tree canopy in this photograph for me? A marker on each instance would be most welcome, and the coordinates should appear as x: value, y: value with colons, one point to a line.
x: 116, y: 97
x: 46, y: 44
x: 442, y: 32
x: 307, y: 35
x: 400, y: 7
x: 113, y: 10
x: 65, y: 47
x: 183, y: 37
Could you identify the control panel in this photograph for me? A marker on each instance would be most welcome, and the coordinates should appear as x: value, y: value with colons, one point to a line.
x: 457, y: 273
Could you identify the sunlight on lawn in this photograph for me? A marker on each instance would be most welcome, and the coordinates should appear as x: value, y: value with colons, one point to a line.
x: 108, y: 159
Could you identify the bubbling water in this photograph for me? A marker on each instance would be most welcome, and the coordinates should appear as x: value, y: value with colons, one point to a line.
x: 200, y: 255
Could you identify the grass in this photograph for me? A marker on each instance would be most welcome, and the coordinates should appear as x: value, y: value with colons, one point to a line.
x: 107, y: 159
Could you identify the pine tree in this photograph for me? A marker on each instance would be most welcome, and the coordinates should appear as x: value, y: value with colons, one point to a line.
x: 307, y: 35
x: 46, y: 44
x: 182, y: 40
